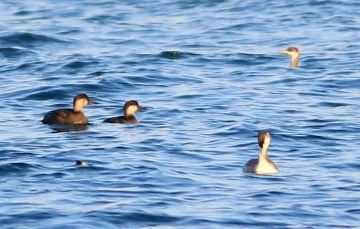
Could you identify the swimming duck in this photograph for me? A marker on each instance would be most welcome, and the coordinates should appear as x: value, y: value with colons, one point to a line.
x: 129, y: 109
x: 294, y: 53
x: 263, y: 164
x: 70, y: 116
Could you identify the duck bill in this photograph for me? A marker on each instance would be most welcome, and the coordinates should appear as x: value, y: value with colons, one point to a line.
x: 93, y: 102
x: 141, y: 108
x: 284, y: 51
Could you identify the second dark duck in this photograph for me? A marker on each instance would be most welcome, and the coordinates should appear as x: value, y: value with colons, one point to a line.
x: 130, y: 108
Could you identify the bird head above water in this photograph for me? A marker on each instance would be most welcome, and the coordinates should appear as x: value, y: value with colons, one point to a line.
x: 264, y: 139
x: 294, y: 53
x: 80, y: 101
x: 131, y: 107
x: 81, y: 163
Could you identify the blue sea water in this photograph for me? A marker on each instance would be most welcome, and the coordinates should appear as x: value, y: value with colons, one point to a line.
x: 211, y: 75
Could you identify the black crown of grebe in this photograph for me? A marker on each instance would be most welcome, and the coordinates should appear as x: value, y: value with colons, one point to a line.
x: 294, y: 53
x: 70, y: 116
x: 129, y: 109
x: 262, y: 164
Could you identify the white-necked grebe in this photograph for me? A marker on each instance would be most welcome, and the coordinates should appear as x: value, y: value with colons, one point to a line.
x: 263, y: 164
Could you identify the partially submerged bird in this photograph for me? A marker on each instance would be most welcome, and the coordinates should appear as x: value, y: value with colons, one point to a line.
x: 263, y: 164
x: 70, y: 116
x: 294, y: 53
x: 129, y: 109
x: 81, y: 163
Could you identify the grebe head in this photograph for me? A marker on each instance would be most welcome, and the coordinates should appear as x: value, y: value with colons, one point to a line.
x: 264, y: 139
x: 131, y: 107
x: 82, y: 100
x: 294, y: 53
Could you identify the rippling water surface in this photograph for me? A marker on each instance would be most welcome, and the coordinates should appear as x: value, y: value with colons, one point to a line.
x: 211, y: 76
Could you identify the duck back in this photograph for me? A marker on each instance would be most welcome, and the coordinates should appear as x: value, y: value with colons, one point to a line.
x: 65, y: 116
x: 122, y: 120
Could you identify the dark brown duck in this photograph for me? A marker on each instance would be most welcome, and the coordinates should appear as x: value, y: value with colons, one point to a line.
x: 129, y: 109
x: 70, y: 116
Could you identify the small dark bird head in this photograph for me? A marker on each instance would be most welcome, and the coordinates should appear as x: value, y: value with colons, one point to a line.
x: 291, y: 51
x: 81, y: 163
x: 82, y: 100
x: 131, y: 107
x: 263, y: 139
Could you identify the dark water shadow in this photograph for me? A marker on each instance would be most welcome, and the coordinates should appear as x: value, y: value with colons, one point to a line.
x: 60, y: 128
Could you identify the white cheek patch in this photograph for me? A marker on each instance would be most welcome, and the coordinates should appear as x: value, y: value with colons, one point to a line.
x: 132, y: 109
x: 80, y: 104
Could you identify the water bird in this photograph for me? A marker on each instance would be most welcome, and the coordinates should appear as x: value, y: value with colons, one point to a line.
x: 81, y: 163
x: 294, y: 53
x: 263, y: 164
x: 70, y: 116
x: 129, y: 109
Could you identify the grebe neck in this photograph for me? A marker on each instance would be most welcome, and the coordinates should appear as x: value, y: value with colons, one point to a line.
x: 295, y: 61
x: 263, y: 152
